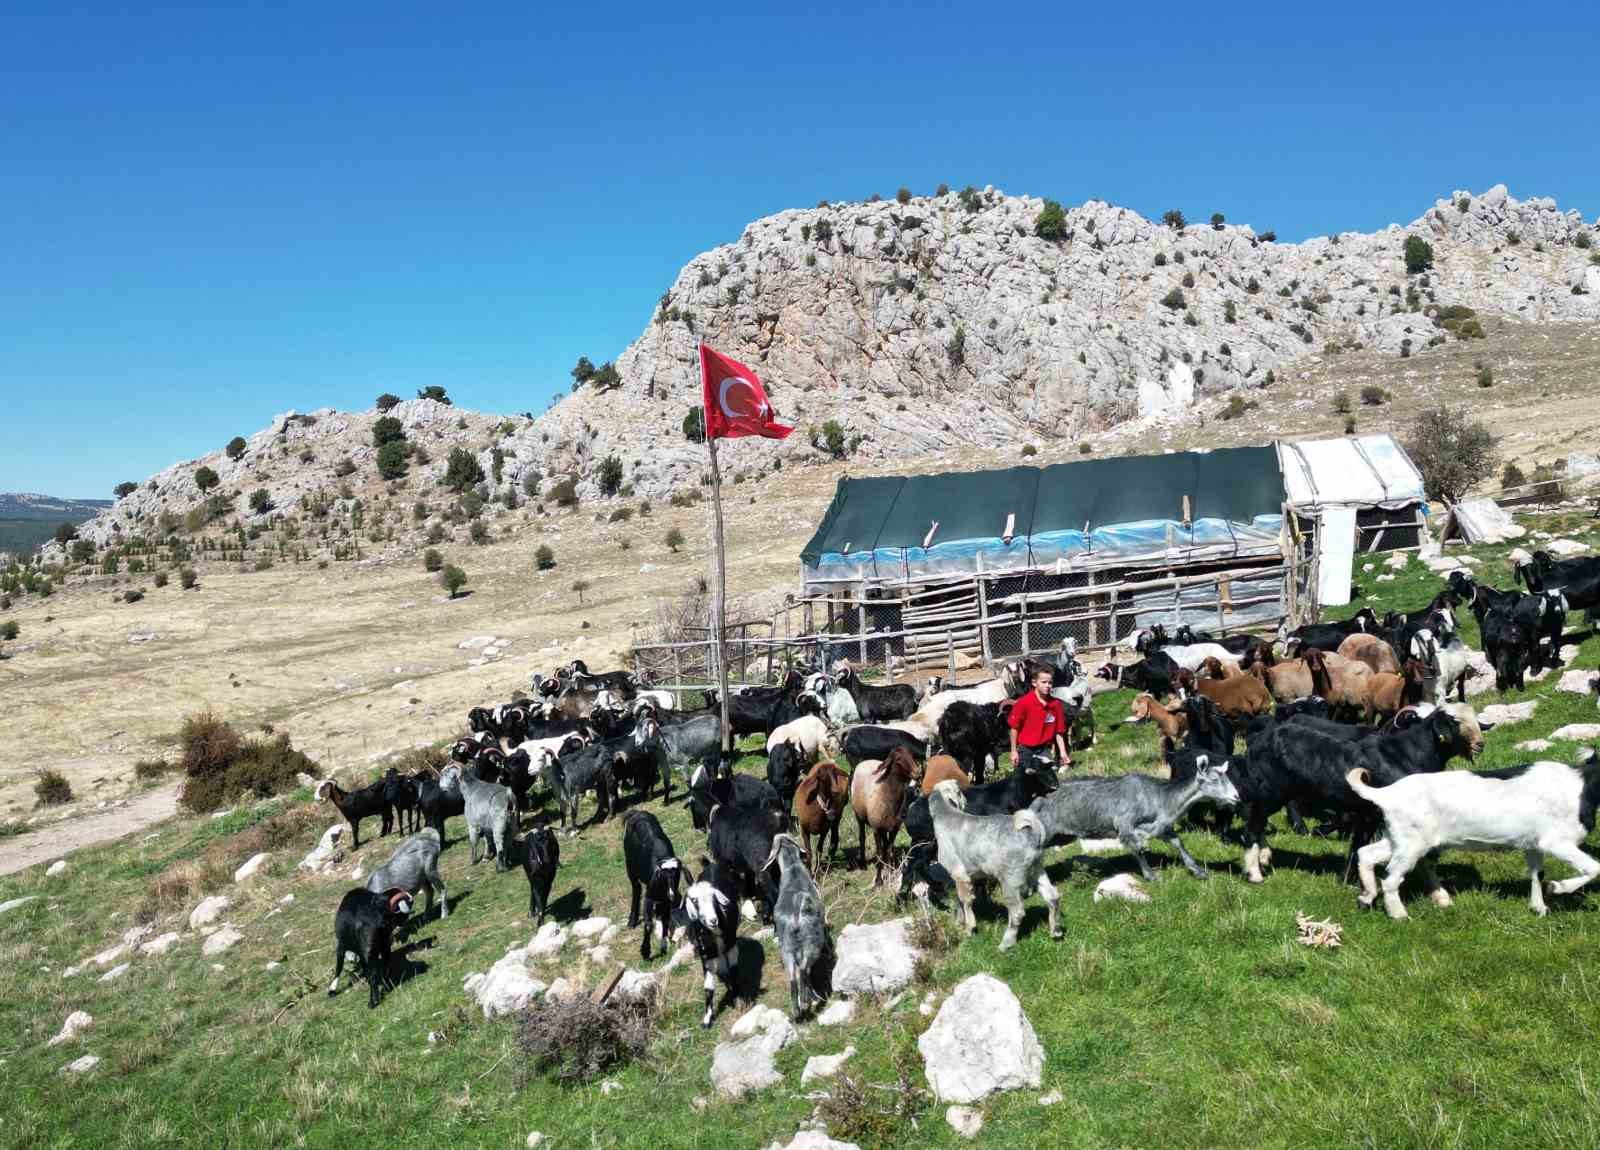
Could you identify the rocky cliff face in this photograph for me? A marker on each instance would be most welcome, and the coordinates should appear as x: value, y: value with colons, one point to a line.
x: 947, y: 321
x: 942, y: 322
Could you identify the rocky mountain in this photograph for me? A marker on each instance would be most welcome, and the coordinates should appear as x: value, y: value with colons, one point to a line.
x: 48, y: 508
x: 951, y: 321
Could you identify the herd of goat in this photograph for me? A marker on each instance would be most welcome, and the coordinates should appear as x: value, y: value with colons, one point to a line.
x: 1349, y: 723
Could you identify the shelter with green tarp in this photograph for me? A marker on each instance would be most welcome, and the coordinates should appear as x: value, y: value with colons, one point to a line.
x: 1158, y: 510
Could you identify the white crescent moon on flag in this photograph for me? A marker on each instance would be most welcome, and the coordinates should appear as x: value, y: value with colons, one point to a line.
x: 723, y: 397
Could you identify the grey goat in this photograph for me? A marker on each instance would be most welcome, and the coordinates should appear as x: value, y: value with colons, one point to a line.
x: 490, y: 811
x: 1134, y: 809
x: 1006, y: 848
x: 413, y: 866
x: 801, y: 922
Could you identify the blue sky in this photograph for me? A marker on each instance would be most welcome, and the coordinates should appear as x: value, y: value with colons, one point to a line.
x: 210, y: 213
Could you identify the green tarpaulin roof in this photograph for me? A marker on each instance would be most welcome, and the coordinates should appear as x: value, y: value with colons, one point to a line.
x: 1235, y: 485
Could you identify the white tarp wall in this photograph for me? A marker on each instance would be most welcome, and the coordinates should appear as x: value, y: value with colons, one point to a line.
x: 1480, y: 521
x: 1336, y: 544
x: 1353, y: 471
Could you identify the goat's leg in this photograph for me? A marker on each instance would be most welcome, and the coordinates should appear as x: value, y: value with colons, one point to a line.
x: 1571, y: 854
x: 964, y: 904
x: 338, y: 961
x: 1134, y: 843
x: 472, y: 842
x: 649, y: 924
x: 861, y: 839
x: 1296, y: 823
x: 1012, y: 896
x: 1402, y: 859
x: 1429, y: 874
x: 1172, y: 840
x: 1368, y: 859
x: 633, y: 903
x: 1052, y: 900
x: 1535, y: 861
x: 711, y: 998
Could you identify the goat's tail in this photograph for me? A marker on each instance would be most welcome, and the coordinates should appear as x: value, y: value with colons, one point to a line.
x: 1357, y: 779
x: 1028, y: 821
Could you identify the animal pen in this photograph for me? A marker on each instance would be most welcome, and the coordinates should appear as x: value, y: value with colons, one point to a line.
x: 967, y: 570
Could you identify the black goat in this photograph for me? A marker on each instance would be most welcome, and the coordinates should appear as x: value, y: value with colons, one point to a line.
x: 438, y: 802
x: 572, y: 775
x: 878, y: 704
x: 1511, y: 645
x: 870, y: 742
x: 654, y: 873
x: 401, y: 792
x: 708, y: 789
x: 740, y: 840
x: 1157, y: 673
x: 1328, y: 636
x: 359, y: 804
x: 364, y: 927
x: 541, y: 858
x: 972, y: 732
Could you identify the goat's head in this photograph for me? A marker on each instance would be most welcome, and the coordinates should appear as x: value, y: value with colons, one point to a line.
x: 899, y: 763
x: 950, y: 791
x: 1142, y: 704
x: 1425, y: 650
x: 1213, y: 667
x: 1108, y: 671
x: 785, y: 851
x: 1471, y: 727
x: 1214, y: 782
x: 1366, y: 620
x: 1185, y: 682
x: 1447, y: 733
x: 325, y: 789
x: 399, y: 901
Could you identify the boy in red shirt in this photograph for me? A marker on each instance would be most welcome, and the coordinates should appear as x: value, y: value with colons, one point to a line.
x: 1038, y: 725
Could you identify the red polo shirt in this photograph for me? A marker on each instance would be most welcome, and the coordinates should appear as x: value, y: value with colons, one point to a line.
x: 1037, y: 724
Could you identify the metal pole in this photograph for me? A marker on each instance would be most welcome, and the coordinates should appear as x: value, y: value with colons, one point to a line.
x: 719, y: 594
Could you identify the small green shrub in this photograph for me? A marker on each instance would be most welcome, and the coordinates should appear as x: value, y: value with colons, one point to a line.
x: 565, y: 493
x: 620, y: 515
x: 462, y: 471
x: 235, y: 447
x: 261, y: 501
x: 1051, y: 222
x: 674, y: 539
x: 1237, y: 406
x: 1217, y: 220
x: 956, y: 349
x: 435, y: 393
x: 51, y: 788
x: 205, y: 479
x: 159, y: 579
x: 344, y: 468
x: 452, y: 579
x: 1418, y: 254
x: 1174, y: 220
x: 1582, y: 240
x: 387, y: 402
x: 10, y: 630
x: 387, y: 429
x: 903, y: 196
x: 1374, y: 396
x: 1485, y: 375
x: 1174, y: 299
x: 187, y: 578
x: 1512, y: 476
x: 610, y: 477
x: 432, y: 560
x: 133, y: 595
x: 1029, y: 449
x: 478, y: 532
x: 1342, y: 404
x: 147, y: 770
x: 544, y: 558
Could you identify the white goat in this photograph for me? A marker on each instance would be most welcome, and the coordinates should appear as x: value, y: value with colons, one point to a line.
x: 1449, y: 667
x: 809, y: 733
x: 936, y: 702
x: 1541, y: 809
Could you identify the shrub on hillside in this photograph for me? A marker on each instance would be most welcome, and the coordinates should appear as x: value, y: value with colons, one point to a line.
x: 387, y: 402
x: 235, y: 447
x: 392, y: 458
x: 1485, y: 375
x: 674, y: 540
x: 1342, y: 404
x: 205, y: 479
x: 694, y: 425
x: 544, y: 558
x: 1237, y: 406
x: 463, y: 470
x: 387, y: 429
x: 610, y: 477
x: 565, y: 493
x: 344, y: 468
x: 435, y: 393
x: 1374, y: 396
x: 219, y: 767
x: 132, y: 596
x: 159, y: 579
x: 187, y: 578
x: 1051, y: 222
x: 452, y: 579
x: 9, y: 629
x: 147, y: 770
x: 1174, y: 299
x: 66, y: 533
x: 51, y: 788
x: 1512, y: 475
x: 573, y: 1040
x: 1419, y: 255
x: 1217, y: 220
x: 478, y: 532
x: 1451, y: 450
x: 432, y: 560
x: 124, y: 489
x: 261, y: 501
x: 1174, y: 220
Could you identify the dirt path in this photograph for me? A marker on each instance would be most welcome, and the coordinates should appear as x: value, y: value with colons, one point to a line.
x: 64, y: 837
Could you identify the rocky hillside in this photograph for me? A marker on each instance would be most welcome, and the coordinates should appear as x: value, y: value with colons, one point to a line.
x: 947, y: 321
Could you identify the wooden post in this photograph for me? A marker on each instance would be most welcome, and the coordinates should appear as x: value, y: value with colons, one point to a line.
x: 719, y: 597
x: 950, y: 654
x: 861, y: 624
x: 677, y: 674
x: 983, y: 622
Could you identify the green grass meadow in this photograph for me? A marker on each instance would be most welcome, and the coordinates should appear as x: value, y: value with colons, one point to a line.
x: 1193, y: 1021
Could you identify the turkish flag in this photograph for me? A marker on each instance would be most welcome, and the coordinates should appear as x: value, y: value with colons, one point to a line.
x: 735, y: 403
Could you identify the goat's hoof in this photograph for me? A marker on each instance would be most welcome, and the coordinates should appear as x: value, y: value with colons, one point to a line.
x: 1364, y: 902
x: 331, y: 993
x: 1058, y: 935
x: 1202, y: 873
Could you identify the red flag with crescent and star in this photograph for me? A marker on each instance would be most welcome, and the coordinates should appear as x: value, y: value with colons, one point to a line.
x: 735, y: 402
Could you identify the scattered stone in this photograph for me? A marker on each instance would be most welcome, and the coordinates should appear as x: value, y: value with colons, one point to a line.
x: 110, y: 955
x: 134, y: 935
x: 609, y: 934
x: 1100, y: 846
x: 209, y: 911
x: 476, y: 643
x: 77, y: 1022
x: 223, y: 940
x: 273, y: 965
x: 610, y: 1086
x: 1507, y: 712
x: 929, y: 1001
x: 1579, y: 682
x: 1050, y: 1099
x: 1468, y: 560
x: 1398, y: 560
x: 251, y: 867
x: 873, y: 958
x: 813, y: 1140
x: 1577, y: 732
x: 820, y: 1066
x: 548, y: 941
x: 1565, y: 548
x: 1535, y: 745
x: 637, y: 984
x: 964, y: 1120
x: 142, y: 636
x: 838, y: 1012
x: 588, y: 928
x: 160, y: 944
x: 598, y: 954
x: 535, y: 1140
x: 13, y: 903
x: 286, y: 900
x: 58, y: 867
x: 506, y: 988
x: 680, y: 956
x: 1385, y: 578
x: 1121, y: 886
x: 326, y: 852
x: 115, y: 972
x: 745, y: 1065
x: 980, y: 1042
x: 1442, y: 564
x: 81, y: 1065
x: 561, y: 990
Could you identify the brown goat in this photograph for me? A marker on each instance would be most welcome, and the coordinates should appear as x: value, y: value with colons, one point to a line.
x: 1217, y: 669
x: 1387, y: 692
x: 818, y: 807
x: 878, y: 797
x: 1371, y: 650
x: 940, y: 768
x: 1171, y: 723
x: 1346, y: 680
x: 1291, y: 679
x: 1236, y: 696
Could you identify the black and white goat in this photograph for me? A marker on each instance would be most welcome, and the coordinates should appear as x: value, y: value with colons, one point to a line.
x: 1541, y: 809
x: 740, y: 840
x: 877, y: 704
x: 654, y: 874
x: 708, y: 790
x: 711, y: 913
x: 363, y: 928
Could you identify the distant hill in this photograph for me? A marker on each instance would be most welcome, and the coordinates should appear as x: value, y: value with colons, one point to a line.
x: 28, y: 519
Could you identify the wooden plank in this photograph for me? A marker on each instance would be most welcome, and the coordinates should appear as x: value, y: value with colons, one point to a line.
x: 603, y: 991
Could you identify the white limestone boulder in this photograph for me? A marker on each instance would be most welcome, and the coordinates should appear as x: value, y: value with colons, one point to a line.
x: 979, y: 1043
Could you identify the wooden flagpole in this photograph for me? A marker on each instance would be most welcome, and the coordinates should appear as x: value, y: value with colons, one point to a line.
x: 719, y: 586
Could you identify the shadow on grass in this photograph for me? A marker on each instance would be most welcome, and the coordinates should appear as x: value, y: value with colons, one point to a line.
x: 570, y: 907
